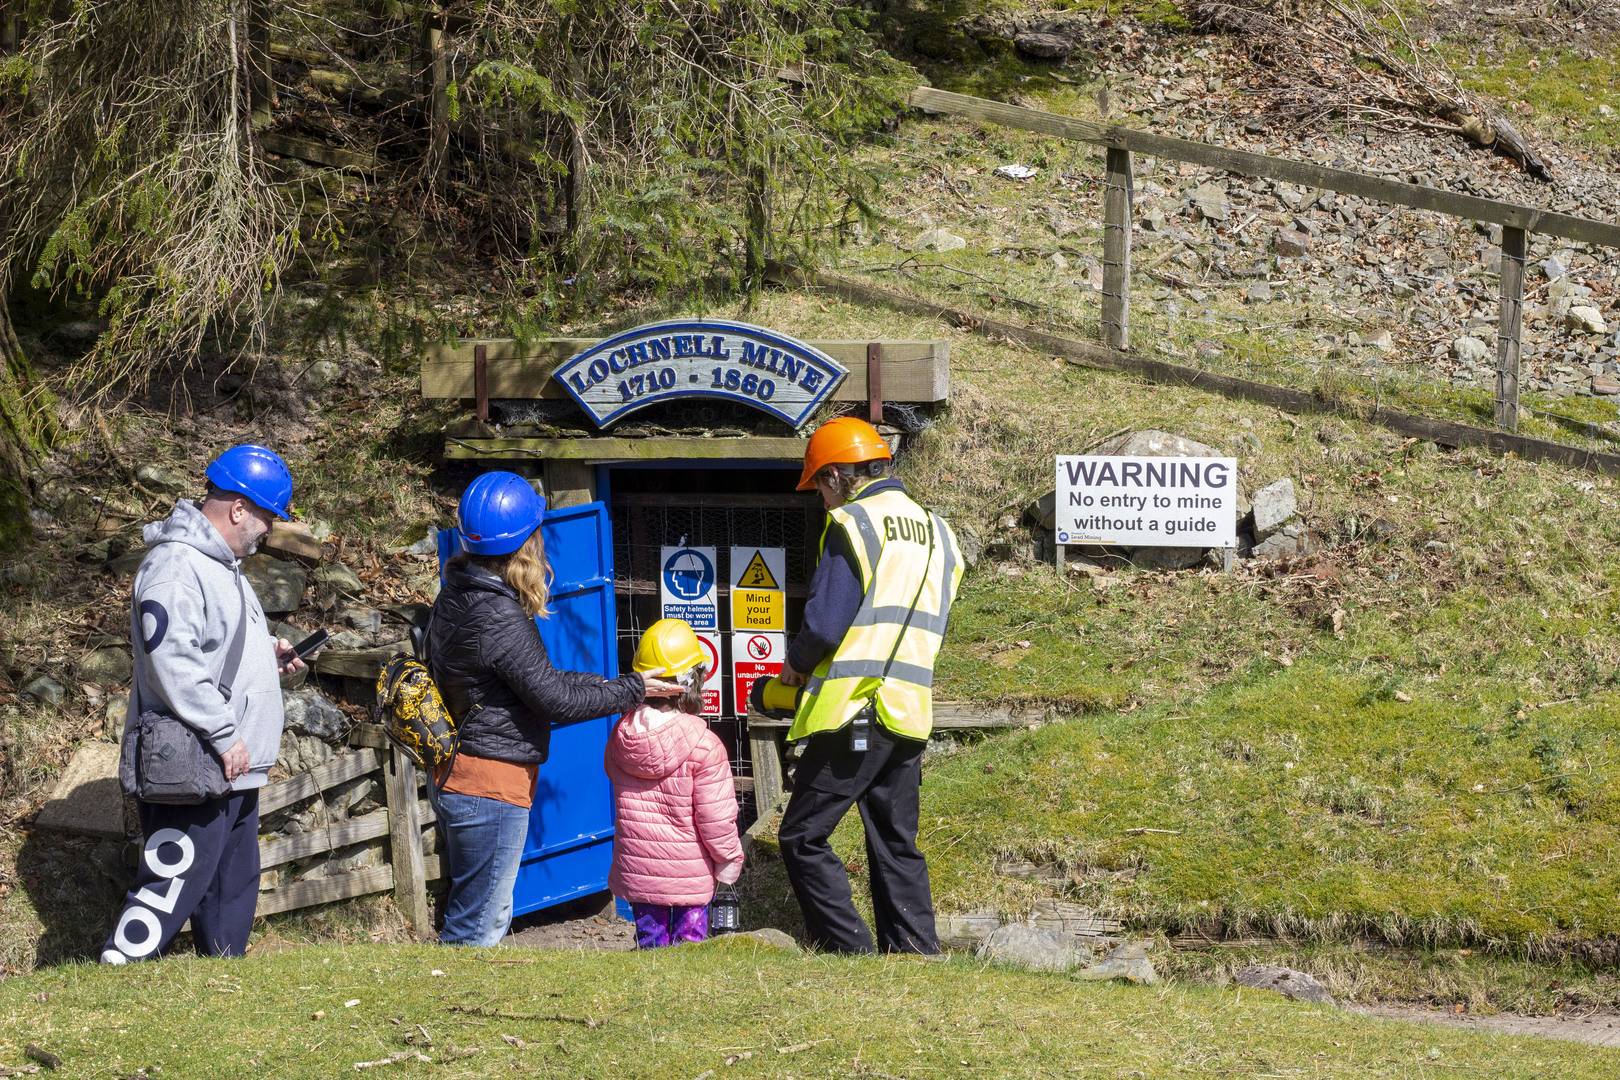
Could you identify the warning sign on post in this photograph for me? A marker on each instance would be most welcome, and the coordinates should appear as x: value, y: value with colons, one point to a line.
x: 713, y: 676
x: 754, y: 657
x: 1147, y: 501
x: 758, y: 596
x: 686, y: 586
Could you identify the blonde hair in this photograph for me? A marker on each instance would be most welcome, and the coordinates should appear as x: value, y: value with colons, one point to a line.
x: 527, y: 571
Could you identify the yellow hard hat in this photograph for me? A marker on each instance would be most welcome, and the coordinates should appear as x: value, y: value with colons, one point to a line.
x: 669, y: 649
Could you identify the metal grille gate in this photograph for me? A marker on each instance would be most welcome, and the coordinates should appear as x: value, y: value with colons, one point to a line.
x: 645, y: 522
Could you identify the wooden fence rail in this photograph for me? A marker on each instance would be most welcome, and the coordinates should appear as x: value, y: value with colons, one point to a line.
x: 1517, y: 221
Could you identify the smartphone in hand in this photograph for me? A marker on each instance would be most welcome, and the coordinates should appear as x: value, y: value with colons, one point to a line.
x: 304, y: 648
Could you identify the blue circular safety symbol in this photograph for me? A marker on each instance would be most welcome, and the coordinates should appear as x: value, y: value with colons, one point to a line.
x: 688, y: 574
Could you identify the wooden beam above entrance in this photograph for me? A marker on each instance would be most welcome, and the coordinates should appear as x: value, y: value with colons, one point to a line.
x: 606, y: 450
x: 913, y: 371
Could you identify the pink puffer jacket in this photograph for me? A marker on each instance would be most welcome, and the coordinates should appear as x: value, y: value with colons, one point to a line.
x: 676, y: 808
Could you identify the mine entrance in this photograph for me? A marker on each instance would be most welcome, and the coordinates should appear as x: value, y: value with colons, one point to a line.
x: 698, y: 506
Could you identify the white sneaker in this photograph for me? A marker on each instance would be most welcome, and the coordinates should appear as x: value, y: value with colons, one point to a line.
x: 114, y: 957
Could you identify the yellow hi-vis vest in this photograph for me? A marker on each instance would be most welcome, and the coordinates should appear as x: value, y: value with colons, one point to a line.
x: 910, y: 569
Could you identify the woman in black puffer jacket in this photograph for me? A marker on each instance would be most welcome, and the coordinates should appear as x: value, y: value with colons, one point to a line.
x: 490, y: 665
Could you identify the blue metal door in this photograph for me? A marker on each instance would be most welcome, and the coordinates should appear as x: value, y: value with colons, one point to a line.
x: 570, y: 844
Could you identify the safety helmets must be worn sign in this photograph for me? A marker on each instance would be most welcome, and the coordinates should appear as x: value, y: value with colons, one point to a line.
x: 686, y: 586
x: 758, y: 588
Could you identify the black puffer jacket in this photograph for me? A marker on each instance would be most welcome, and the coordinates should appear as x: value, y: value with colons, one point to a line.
x: 491, y: 666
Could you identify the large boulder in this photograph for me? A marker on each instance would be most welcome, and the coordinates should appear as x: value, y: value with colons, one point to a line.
x: 310, y: 713
x: 279, y: 585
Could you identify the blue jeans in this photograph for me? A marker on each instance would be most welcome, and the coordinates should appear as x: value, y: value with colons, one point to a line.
x: 483, y: 846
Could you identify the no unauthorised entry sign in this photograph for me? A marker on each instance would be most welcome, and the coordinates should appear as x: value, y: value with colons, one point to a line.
x: 754, y: 657
x: 1147, y: 501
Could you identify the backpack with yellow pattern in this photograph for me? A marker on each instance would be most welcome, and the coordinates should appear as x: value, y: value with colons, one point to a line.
x: 412, y: 712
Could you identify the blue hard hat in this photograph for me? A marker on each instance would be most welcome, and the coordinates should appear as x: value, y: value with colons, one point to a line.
x: 257, y: 472
x: 498, y: 512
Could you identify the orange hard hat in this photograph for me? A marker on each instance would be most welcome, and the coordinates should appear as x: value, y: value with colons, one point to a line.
x: 843, y: 440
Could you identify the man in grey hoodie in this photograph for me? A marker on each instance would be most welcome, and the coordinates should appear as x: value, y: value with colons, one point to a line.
x: 204, y: 654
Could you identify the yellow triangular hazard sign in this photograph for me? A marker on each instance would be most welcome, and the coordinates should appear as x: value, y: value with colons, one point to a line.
x: 758, y: 575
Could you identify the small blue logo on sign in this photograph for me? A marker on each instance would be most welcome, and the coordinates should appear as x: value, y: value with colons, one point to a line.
x: 709, y: 358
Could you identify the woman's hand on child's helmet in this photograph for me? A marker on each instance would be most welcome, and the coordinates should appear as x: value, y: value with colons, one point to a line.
x: 655, y: 688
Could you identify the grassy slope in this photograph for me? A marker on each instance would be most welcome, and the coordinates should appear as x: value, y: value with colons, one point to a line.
x: 1440, y: 768
x: 735, y: 1010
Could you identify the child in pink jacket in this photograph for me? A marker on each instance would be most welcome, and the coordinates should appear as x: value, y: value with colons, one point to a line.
x: 674, y: 799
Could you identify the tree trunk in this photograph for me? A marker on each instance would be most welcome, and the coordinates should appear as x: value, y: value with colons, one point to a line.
x: 26, y: 429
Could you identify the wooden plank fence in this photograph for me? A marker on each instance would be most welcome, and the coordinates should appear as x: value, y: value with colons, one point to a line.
x: 1120, y: 143
x: 406, y: 873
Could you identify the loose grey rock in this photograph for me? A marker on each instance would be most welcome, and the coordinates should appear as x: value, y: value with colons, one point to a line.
x: 1470, y: 350
x: 366, y: 620
x: 1260, y: 292
x: 1153, y: 220
x: 310, y: 713
x: 320, y: 375
x: 1211, y: 202
x: 46, y: 689
x: 126, y: 564
x: 938, y: 240
x: 337, y: 580
x: 1150, y: 442
x: 1383, y: 341
x: 1291, y: 984
x: 1128, y: 963
x: 1033, y: 948
x: 1291, y: 243
x: 279, y: 585
x: 164, y: 480
x: 1044, y: 46
x: 1274, y: 505
x: 1553, y: 268
x: 425, y: 547
x: 1280, y: 546
x: 1583, y: 318
x: 109, y: 666
x: 1605, y: 385
x: 115, y: 715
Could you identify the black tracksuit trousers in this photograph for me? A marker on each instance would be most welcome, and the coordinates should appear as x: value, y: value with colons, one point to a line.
x: 199, y: 863
x: 883, y: 781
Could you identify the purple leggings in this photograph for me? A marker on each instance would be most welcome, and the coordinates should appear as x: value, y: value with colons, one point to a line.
x: 666, y: 924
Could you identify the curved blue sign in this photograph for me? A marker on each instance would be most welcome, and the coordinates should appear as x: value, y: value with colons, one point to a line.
x: 707, y: 358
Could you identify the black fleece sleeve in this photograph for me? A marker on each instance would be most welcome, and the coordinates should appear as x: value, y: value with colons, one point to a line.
x: 519, y: 657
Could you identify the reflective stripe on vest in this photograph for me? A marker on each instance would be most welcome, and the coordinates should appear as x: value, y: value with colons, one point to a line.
x: 887, y: 656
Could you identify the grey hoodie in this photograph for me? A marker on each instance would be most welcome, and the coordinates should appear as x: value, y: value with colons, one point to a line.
x: 190, y: 600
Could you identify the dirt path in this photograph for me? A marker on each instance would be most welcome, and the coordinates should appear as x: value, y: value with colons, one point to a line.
x: 584, y: 924
x: 1600, y: 1030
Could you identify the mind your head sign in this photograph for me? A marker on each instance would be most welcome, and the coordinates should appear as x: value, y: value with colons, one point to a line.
x: 1147, y: 501
x: 708, y: 358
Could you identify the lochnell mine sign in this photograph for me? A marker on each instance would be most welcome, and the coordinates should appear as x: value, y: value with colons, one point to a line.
x: 1147, y: 501
x: 709, y: 358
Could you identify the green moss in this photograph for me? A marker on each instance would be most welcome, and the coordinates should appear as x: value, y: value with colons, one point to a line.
x: 1563, y: 89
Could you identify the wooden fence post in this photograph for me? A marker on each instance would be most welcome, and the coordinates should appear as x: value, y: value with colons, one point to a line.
x: 405, y: 842
x: 765, y: 751
x: 1515, y: 246
x: 1116, y: 307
